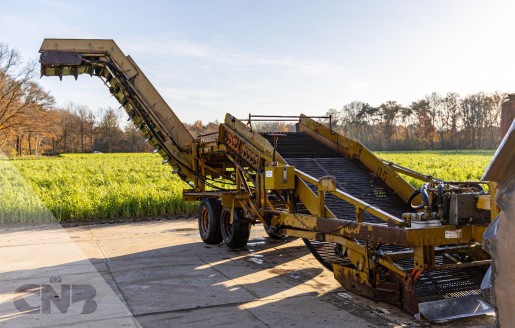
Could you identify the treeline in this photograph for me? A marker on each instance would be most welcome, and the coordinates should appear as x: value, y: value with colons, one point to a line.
x: 81, y: 131
x: 30, y: 123
x: 434, y: 122
x: 74, y: 129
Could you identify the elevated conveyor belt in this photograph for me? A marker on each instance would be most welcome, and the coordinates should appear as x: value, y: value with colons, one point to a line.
x: 128, y: 84
x: 316, y: 159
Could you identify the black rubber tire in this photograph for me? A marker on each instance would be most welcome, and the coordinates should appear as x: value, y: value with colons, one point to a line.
x: 209, y: 221
x: 270, y: 231
x: 235, y: 235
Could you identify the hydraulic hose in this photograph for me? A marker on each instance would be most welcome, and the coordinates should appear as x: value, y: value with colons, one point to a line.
x: 425, y: 195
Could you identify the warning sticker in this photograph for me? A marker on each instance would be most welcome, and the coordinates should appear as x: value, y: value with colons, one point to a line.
x: 269, y: 174
x: 450, y: 234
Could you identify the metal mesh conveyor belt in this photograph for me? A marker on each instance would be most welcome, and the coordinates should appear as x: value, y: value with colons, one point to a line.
x: 316, y: 159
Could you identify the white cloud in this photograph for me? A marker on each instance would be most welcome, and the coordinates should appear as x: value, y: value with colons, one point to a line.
x: 180, y: 93
x: 234, y: 59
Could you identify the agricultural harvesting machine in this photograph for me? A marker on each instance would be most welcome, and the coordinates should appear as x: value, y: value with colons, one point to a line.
x: 419, y: 249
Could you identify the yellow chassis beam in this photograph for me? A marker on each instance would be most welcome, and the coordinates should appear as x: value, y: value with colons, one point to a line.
x: 381, y: 233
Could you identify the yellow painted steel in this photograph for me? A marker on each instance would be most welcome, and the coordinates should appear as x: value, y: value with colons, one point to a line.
x: 280, y: 177
x: 133, y: 90
x: 484, y: 202
x: 494, y: 187
x: 405, y: 237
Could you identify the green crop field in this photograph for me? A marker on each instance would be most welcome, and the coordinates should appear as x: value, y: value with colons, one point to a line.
x: 89, y: 187
x: 110, y: 186
x: 463, y: 165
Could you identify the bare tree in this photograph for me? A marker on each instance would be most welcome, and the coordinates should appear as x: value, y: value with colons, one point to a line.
x: 109, y: 134
x: 18, y: 94
x: 425, y: 127
x: 84, y: 122
x: 409, y: 128
x: 389, y: 112
x: 475, y: 108
x: 449, y: 119
x: 434, y: 116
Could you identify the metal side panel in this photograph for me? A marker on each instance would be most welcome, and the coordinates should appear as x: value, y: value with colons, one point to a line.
x: 260, y: 143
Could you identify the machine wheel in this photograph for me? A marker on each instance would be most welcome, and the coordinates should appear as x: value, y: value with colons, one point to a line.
x: 272, y: 232
x: 235, y: 235
x: 209, y: 221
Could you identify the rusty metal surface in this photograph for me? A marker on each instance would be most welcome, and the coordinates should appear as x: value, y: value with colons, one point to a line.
x: 351, y: 148
x: 444, y: 284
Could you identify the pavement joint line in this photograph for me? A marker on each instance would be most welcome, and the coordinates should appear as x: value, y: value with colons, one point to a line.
x: 106, y: 259
x: 140, y: 267
x: 242, y: 303
x: 254, y: 316
x: 38, y: 244
x: 110, y: 273
x: 121, y: 294
x: 92, y: 321
x: 46, y: 276
x: 140, y: 257
x: 193, y: 309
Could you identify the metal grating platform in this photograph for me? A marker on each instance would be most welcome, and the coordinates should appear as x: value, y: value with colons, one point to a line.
x: 445, y: 284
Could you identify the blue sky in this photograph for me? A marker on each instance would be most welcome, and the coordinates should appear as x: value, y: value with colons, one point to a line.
x: 279, y: 57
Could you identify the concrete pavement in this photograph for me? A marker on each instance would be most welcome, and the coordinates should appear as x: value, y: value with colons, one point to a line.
x: 160, y: 274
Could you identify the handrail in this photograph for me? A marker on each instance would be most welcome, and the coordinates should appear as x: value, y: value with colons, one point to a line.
x: 360, y: 205
x: 410, y: 172
x: 286, y: 118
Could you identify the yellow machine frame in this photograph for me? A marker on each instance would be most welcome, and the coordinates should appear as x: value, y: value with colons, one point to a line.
x: 245, y: 160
